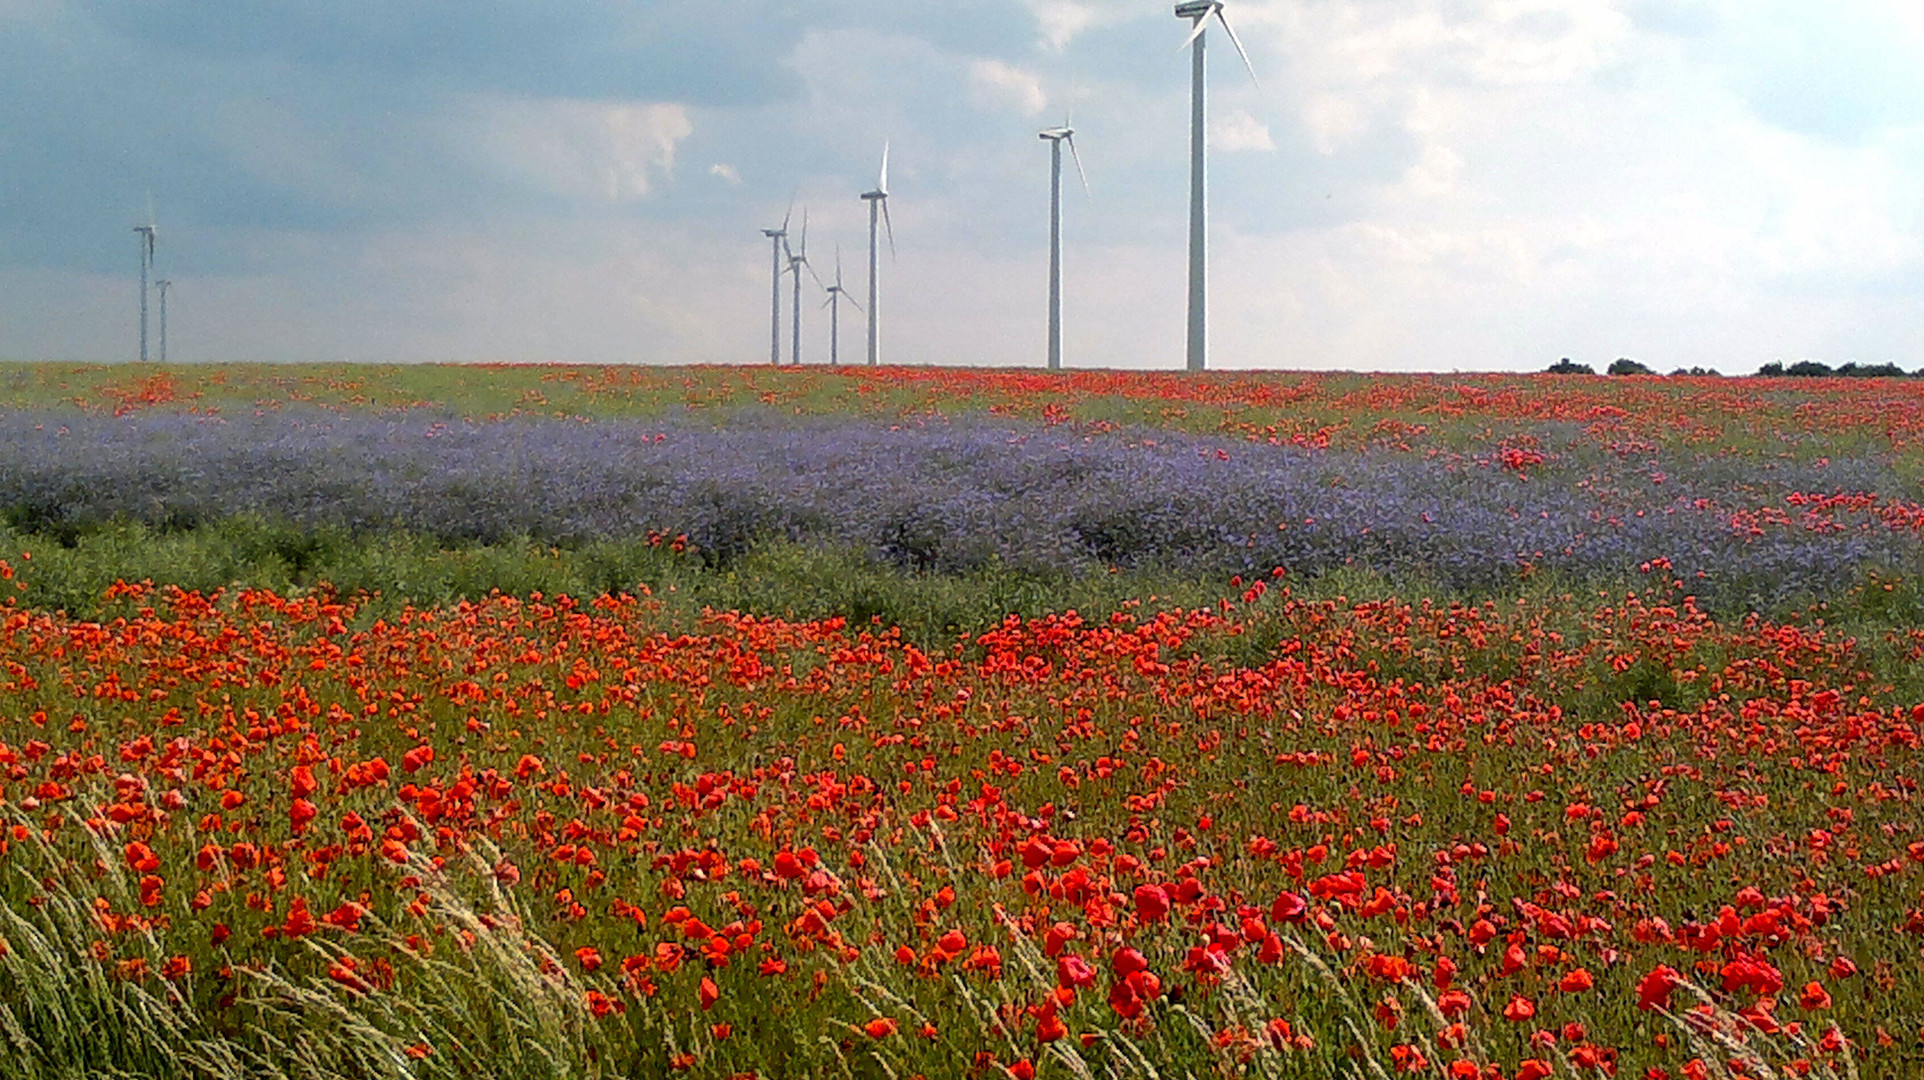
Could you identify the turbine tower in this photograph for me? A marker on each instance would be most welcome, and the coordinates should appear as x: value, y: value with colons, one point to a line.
x: 1055, y: 138
x: 1198, y: 12
x: 836, y: 294
x: 147, y: 234
x: 797, y: 260
x: 163, y: 285
x: 878, y: 207
x: 777, y: 239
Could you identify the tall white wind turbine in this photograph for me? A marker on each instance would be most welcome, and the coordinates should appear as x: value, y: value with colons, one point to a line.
x: 836, y: 294
x: 797, y: 262
x: 1055, y: 138
x: 162, y: 286
x: 777, y: 239
x: 147, y: 235
x: 1198, y: 12
x: 878, y: 207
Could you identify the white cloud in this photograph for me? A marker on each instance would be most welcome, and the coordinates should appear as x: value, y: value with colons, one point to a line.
x: 1062, y: 21
x: 584, y: 149
x: 726, y: 172
x: 1333, y: 120
x: 1237, y: 130
x: 1435, y: 173
x: 996, y: 85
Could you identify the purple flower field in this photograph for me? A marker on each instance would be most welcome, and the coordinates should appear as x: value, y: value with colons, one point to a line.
x: 951, y: 496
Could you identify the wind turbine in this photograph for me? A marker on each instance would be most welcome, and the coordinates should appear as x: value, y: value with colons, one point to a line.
x: 163, y: 285
x: 147, y: 234
x: 1055, y: 137
x: 836, y: 293
x: 878, y: 206
x: 1198, y: 12
x: 777, y: 238
x: 796, y: 261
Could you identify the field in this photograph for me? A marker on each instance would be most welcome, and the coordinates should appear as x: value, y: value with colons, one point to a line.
x: 561, y: 722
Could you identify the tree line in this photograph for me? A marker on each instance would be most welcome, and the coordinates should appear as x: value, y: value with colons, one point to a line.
x: 1805, y: 369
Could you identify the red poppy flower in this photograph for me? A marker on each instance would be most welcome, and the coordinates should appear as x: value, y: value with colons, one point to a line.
x: 1653, y: 990
x: 1074, y: 971
x: 1576, y: 981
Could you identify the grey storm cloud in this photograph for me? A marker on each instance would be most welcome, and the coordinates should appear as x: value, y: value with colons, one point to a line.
x: 707, y: 54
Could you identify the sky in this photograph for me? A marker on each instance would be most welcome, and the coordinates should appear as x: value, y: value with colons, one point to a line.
x: 1412, y: 185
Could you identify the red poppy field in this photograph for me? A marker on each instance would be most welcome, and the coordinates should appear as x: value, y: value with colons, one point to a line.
x: 1292, y: 834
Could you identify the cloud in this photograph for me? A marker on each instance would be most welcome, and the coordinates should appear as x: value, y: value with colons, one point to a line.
x: 726, y: 172
x: 1237, y: 130
x: 1435, y: 173
x: 1062, y: 20
x: 997, y: 85
x: 583, y: 149
x: 604, y: 49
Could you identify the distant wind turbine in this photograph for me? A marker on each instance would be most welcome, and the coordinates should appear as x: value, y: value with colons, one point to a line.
x: 776, y: 239
x: 797, y: 261
x: 836, y: 294
x: 163, y: 285
x: 1199, y: 11
x: 1055, y: 138
x: 878, y: 207
x: 147, y: 234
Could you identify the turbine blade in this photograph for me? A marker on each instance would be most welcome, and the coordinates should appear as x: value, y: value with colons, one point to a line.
x: 813, y: 274
x: 790, y: 213
x: 1071, y: 140
x: 882, y: 182
x: 1201, y: 25
x: 891, y: 227
x: 1233, y: 40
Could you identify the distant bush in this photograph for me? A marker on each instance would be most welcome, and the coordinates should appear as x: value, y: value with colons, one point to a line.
x: 1699, y: 371
x: 1623, y: 365
x: 1854, y: 370
x: 1815, y: 369
x: 1566, y: 366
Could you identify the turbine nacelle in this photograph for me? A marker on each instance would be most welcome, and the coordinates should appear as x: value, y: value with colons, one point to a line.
x: 1067, y: 134
x: 1199, y: 11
